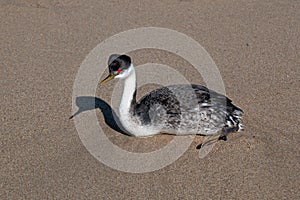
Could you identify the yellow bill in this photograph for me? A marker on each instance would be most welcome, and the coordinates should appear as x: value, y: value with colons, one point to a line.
x: 108, y: 78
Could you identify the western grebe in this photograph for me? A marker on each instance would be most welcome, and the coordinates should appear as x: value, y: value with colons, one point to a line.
x: 176, y: 109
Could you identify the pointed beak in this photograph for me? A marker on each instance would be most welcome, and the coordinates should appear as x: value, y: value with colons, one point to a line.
x: 108, y: 78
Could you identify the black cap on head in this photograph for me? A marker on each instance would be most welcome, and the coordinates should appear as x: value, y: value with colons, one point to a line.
x: 118, y: 63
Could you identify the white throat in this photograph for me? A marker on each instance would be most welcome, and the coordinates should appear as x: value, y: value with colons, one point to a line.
x: 128, y: 92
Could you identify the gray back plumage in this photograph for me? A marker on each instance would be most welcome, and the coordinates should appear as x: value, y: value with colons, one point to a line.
x: 187, y: 107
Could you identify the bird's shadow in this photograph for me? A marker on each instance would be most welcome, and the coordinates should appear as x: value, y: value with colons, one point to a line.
x: 86, y: 103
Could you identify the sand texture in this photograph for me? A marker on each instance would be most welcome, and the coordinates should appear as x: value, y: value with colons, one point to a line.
x: 255, y: 45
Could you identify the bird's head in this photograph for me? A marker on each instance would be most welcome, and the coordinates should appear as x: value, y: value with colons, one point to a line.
x: 119, y: 67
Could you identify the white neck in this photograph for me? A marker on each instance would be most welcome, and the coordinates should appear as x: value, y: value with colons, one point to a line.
x: 131, y: 124
x: 128, y: 92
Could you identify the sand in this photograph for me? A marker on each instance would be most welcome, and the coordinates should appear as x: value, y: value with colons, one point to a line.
x: 255, y: 45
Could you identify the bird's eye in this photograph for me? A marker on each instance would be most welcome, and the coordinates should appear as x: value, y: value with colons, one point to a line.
x: 114, y: 67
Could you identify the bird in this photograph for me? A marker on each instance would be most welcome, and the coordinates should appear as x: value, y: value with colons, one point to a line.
x: 182, y: 109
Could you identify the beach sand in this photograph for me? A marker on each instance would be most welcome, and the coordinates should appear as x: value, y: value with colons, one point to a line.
x: 255, y: 45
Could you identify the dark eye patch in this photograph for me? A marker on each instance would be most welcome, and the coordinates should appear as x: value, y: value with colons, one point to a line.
x: 114, y: 66
x: 118, y: 64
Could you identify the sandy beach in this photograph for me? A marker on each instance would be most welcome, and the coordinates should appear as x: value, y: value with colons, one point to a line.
x: 255, y: 45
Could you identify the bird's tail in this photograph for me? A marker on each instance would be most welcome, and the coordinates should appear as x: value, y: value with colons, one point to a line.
x: 234, y: 118
x: 237, y: 116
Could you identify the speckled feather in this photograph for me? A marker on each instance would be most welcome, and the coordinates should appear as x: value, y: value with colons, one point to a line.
x: 187, y: 109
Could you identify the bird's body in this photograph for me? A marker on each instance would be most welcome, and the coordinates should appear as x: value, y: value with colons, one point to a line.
x: 187, y: 109
x: 175, y: 109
